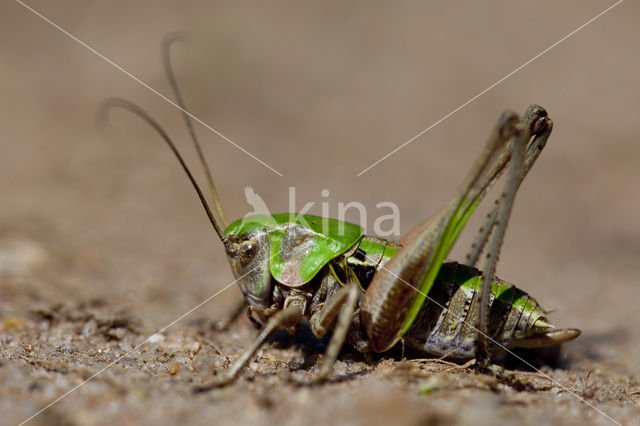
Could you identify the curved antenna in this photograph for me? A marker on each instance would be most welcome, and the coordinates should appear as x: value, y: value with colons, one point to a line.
x: 135, y: 109
x: 166, y: 58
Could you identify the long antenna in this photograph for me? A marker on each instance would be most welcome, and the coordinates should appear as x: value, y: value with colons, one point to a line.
x: 166, y: 58
x: 103, y: 113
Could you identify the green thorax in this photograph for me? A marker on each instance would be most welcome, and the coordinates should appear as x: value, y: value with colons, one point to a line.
x: 300, y: 244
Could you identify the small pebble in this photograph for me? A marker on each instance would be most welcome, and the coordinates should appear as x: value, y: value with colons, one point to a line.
x: 156, y: 338
x: 89, y: 328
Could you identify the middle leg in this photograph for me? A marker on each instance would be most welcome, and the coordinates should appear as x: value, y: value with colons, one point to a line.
x: 340, y: 307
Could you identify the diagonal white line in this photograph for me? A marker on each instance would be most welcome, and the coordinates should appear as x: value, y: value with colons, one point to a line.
x: 146, y: 86
x: 491, y: 87
x: 161, y: 330
x: 506, y: 349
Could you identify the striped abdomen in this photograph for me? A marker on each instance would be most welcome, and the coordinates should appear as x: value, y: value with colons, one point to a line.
x: 445, y: 325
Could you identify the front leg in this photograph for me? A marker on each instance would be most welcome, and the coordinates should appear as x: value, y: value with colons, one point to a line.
x: 236, y: 309
x: 286, y: 318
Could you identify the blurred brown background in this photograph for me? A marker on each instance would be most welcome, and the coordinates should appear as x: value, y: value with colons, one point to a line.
x: 319, y: 91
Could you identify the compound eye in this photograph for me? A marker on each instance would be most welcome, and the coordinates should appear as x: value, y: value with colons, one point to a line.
x: 248, y: 250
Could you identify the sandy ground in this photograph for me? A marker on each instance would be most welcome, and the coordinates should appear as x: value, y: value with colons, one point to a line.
x: 102, y: 242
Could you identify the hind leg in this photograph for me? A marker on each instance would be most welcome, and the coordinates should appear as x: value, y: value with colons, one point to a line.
x: 534, y: 123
